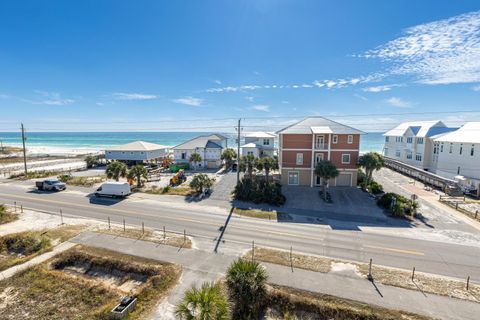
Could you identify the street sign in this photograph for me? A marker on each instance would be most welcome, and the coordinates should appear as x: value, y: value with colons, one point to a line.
x: 414, y: 197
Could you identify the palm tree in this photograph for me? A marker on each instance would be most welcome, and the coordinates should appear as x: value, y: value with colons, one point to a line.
x: 195, y: 158
x: 228, y: 155
x: 138, y: 172
x: 247, y: 164
x: 208, y: 302
x: 266, y: 164
x: 370, y: 162
x: 326, y: 170
x: 246, y: 282
x: 116, y: 169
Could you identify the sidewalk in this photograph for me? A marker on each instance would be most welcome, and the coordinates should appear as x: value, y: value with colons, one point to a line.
x: 210, y: 266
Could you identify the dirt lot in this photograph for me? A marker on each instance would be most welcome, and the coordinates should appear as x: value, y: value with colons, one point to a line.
x: 85, y: 283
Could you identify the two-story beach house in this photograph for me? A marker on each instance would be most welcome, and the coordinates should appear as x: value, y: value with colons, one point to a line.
x: 259, y: 144
x: 209, y: 147
x: 456, y: 155
x: 412, y: 142
x: 305, y: 143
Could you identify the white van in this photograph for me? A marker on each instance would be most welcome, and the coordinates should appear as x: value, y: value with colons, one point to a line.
x: 113, y: 189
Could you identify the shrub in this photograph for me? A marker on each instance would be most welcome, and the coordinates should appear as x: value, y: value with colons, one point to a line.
x: 375, y: 187
x: 25, y: 245
x: 166, y: 189
x: 64, y: 177
x: 402, y: 206
x: 261, y: 191
x: 201, y: 181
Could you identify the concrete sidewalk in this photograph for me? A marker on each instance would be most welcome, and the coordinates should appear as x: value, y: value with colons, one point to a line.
x: 209, y: 266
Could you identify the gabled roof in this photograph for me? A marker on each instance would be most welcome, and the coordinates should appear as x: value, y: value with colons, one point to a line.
x: 419, y: 128
x: 468, y: 133
x: 138, y: 146
x: 259, y: 134
x: 217, y: 136
x: 207, y: 141
x: 318, y: 125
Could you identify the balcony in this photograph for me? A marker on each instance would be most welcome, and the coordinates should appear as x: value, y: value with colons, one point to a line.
x: 321, y: 146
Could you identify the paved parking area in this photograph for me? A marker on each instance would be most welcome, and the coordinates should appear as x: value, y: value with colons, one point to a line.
x: 222, y: 190
x: 346, y: 200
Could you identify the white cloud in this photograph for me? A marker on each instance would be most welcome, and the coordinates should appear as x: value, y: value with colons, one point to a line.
x: 476, y: 88
x: 217, y: 82
x: 361, y: 97
x: 440, y: 52
x: 285, y: 102
x: 133, y: 96
x: 51, y: 98
x: 397, y: 102
x: 189, y: 101
x: 261, y: 107
x: 378, y: 88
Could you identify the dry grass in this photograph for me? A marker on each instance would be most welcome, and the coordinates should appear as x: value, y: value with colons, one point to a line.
x: 255, y: 213
x: 173, y: 191
x: 85, y: 181
x: 49, y: 291
x: 171, y: 239
x: 20, y: 247
x: 289, y: 303
x: 427, y: 283
x: 301, y: 261
x: 6, y: 215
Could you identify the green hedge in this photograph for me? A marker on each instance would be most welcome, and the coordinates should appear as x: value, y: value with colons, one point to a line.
x: 259, y: 192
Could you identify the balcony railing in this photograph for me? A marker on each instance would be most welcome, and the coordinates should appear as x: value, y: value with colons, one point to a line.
x: 321, y: 146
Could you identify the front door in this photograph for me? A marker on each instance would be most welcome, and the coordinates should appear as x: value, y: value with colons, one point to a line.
x: 318, y: 181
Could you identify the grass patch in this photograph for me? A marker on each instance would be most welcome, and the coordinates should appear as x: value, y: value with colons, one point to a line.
x: 6, y: 216
x: 171, y: 239
x: 81, y: 181
x: 424, y: 282
x: 18, y: 248
x: 281, y: 257
x: 289, y: 303
x: 86, y: 283
x: 173, y: 191
x: 36, y: 174
x: 255, y: 213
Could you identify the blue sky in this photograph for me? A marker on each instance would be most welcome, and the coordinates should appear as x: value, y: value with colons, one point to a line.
x: 145, y: 65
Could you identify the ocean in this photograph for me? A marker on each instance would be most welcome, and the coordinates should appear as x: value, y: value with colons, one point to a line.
x: 372, y: 141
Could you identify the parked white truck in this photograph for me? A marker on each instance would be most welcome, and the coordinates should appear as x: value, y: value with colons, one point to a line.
x: 114, y: 190
x: 50, y: 185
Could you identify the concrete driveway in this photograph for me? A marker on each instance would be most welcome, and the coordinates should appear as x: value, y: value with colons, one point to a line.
x: 222, y: 190
x: 346, y: 200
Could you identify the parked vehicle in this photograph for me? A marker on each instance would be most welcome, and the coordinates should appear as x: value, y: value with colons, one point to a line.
x: 51, y: 185
x: 114, y: 190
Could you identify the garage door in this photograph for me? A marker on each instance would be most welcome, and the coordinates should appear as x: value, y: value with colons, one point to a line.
x: 344, y: 180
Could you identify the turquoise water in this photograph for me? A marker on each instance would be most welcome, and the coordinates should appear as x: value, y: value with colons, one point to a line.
x: 98, y: 140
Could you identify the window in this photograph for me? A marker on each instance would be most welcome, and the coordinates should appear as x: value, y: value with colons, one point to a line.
x: 409, y: 140
x: 320, y: 142
x: 318, y: 157
x: 266, y: 142
x: 350, y: 139
x: 385, y: 152
x: 299, y: 158
x: 398, y: 139
x: 346, y: 158
x: 409, y: 155
x: 387, y: 139
x: 458, y: 170
x: 184, y: 155
x: 441, y: 147
x: 419, y: 140
x: 472, y: 150
x: 461, y: 149
x: 418, y: 157
x: 397, y: 153
x: 335, y: 139
x: 451, y: 148
x: 293, y: 178
x: 250, y: 153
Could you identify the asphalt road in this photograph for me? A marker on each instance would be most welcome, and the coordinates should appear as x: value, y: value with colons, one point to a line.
x: 210, y: 230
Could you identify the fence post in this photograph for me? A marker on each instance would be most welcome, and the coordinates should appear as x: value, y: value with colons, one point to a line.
x: 143, y: 228
x: 413, y: 273
x: 124, y: 225
x: 61, y: 216
x: 109, y: 223
x: 21, y: 208
x: 291, y: 258
x: 476, y: 214
x: 184, y: 236
x: 468, y: 281
x: 370, y: 277
x: 253, y: 250
x: 164, y: 234
x: 15, y: 206
x: 456, y: 205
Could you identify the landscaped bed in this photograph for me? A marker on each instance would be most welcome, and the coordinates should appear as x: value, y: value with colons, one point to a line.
x: 168, y: 190
x: 289, y: 303
x: 18, y: 248
x: 424, y: 282
x: 6, y: 215
x: 81, y: 181
x: 86, y: 283
x: 255, y: 213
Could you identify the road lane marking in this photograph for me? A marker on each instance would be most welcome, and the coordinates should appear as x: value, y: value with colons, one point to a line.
x: 395, y: 250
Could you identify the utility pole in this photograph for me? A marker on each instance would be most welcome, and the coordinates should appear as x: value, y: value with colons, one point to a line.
x: 238, y: 151
x: 24, y: 151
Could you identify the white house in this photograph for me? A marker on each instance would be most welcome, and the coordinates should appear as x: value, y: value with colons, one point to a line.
x: 457, y: 155
x: 412, y: 142
x: 209, y: 147
x: 136, y: 151
x: 259, y: 144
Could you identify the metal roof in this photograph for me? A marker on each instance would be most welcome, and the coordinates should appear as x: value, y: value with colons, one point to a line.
x: 201, y: 142
x: 468, y: 133
x: 259, y: 134
x: 137, y: 146
x: 316, y: 124
x: 419, y: 128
